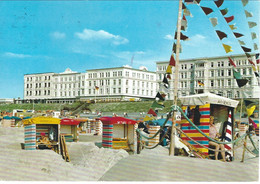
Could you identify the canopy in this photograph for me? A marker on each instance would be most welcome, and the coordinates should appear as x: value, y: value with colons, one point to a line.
x: 208, y: 98
x: 41, y: 120
x: 16, y: 118
x: 67, y: 121
x: 117, y: 120
x: 7, y: 117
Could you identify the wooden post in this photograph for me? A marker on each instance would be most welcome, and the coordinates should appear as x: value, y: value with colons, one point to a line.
x: 244, y: 149
x: 176, y: 78
x: 138, y: 143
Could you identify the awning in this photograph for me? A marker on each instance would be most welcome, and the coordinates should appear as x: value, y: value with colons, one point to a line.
x: 117, y: 120
x: 208, y: 98
x: 160, y: 122
x: 41, y: 120
x: 67, y: 121
x: 7, y: 117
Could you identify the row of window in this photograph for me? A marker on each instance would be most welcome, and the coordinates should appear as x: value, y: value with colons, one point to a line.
x: 119, y: 74
x: 38, y: 93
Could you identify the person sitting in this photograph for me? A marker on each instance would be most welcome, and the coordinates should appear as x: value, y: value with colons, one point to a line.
x: 213, y: 133
x: 44, y: 141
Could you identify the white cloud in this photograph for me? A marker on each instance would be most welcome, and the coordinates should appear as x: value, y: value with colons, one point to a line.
x: 168, y: 37
x: 14, y: 55
x: 58, y: 35
x: 89, y: 34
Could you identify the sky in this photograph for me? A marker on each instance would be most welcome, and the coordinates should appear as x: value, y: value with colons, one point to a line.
x: 50, y: 36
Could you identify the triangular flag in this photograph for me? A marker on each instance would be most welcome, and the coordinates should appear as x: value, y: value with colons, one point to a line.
x: 172, y: 61
x: 227, y: 48
x: 186, y: 12
x: 241, y: 42
x: 254, y: 68
x: 184, y: 24
x: 231, y: 62
x: 253, y: 35
x: 256, y: 74
x: 188, y: 1
x: 183, y: 37
x: 221, y: 34
x: 255, y: 46
x: 244, y: 2
x: 245, y: 49
x: 165, y: 80
x: 224, y: 11
x: 158, y: 95
x: 198, y: 1
x: 238, y: 35
x: 250, y: 61
x: 183, y: 6
x: 232, y: 27
x: 248, y: 103
x: 169, y: 69
x: 236, y: 74
x: 219, y: 3
x: 168, y: 76
x: 147, y: 118
x: 257, y: 55
x: 229, y: 19
x: 252, y: 122
x: 214, y: 21
x: 258, y: 61
x: 248, y: 55
x: 174, y: 48
x: 156, y: 105
x: 250, y: 110
x: 151, y: 111
x: 207, y: 10
x: 252, y: 24
x: 241, y: 82
x: 248, y: 14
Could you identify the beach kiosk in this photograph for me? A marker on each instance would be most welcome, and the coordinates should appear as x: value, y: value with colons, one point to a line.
x: 69, y: 128
x: 33, y: 128
x: 199, y: 108
x: 118, y: 133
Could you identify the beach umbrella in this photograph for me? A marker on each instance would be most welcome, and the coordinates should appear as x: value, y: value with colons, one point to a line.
x: 16, y: 118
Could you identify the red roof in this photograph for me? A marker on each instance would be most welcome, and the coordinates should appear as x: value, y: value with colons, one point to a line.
x: 117, y: 120
x: 67, y: 121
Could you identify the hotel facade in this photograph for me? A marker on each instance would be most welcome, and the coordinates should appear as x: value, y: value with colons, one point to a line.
x: 215, y: 73
x: 121, y: 83
x: 126, y: 83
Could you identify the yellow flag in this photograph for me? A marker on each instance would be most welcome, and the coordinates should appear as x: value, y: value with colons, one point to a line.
x: 232, y: 27
x: 227, y: 48
x: 169, y: 69
x: 147, y: 118
x: 254, y: 68
x: 250, y: 110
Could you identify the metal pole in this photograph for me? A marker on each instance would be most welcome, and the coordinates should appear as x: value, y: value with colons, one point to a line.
x: 176, y: 78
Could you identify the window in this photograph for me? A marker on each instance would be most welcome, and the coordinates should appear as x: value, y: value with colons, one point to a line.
x: 127, y: 74
x: 133, y: 83
x: 120, y: 73
x: 114, y: 90
x: 114, y: 74
x: 89, y: 91
x: 212, y: 64
x: 133, y: 91
x: 119, y: 81
x: 229, y: 72
x: 126, y: 90
x: 119, y: 90
x: 211, y: 83
x: 229, y: 82
x: 114, y: 81
x: 126, y: 82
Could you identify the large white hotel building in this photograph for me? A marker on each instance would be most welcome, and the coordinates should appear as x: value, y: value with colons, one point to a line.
x: 121, y: 83
x: 217, y: 75
x: 124, y: 83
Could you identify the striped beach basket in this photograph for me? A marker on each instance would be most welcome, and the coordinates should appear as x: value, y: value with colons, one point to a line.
x: 156, y: 139
x: 107, y: 136
x: 30, y: 137
x: 195, y: 134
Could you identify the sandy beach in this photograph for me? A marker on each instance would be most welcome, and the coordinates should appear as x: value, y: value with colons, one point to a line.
x: 91, y: 163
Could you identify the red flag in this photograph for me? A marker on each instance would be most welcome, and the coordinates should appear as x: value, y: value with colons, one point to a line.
x: 258, y: 61
x: 232, y: 62
x: 172, y: 61
x: 184, y: 18
x: 250, y: 61
x: 151, y: 111
x: 252, y: 122
x: 169, y: 76
x: 229, y: 19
